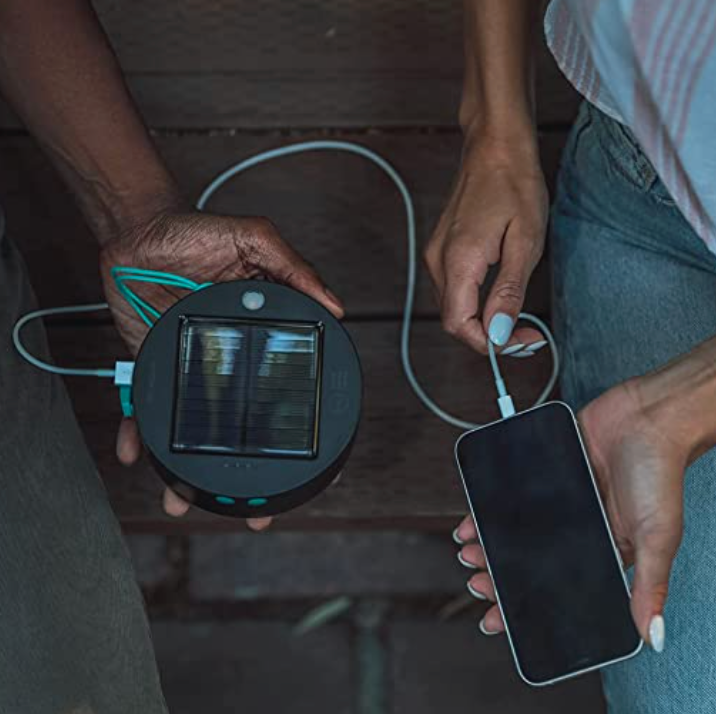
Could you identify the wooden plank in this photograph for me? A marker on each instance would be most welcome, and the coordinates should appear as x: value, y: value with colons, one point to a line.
x: 401, y: 471
x: 338, y: 210
x: 307, y: 63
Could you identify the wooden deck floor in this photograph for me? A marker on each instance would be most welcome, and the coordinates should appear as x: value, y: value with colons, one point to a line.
x: 221, y: 79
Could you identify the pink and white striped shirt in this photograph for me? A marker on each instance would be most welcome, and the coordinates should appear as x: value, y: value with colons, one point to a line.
x: 651, y: 64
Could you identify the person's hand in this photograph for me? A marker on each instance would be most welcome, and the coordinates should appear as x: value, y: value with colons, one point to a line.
x: 639, y: 464
x: 204, y: 248
x: 497, y: 213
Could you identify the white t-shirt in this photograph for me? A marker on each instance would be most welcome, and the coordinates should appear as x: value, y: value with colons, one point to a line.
x: 651, y: 64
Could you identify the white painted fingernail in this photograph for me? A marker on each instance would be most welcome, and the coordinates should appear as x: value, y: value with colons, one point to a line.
x: 456, y: 537
x: 475, y: 593
x: 535, y: 346
x: 484, y: 630
x: 523, y: 354
x: 512, y: 349
x: 464, y: 562
x: 657, y: 632
x: 500, y: 328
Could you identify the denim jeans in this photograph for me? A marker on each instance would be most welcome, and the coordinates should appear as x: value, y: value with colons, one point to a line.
x: 633, y: 287
x: 74, y: 637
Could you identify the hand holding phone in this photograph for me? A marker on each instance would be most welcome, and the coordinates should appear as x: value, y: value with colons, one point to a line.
x: 547, y: 545
x: 639, y: 470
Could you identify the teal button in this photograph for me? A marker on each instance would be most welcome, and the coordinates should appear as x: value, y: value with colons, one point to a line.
x: 226, y: 500
x: 255, y: 502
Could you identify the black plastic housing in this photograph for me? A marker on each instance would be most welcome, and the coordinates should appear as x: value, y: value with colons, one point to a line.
x: 248, y: 485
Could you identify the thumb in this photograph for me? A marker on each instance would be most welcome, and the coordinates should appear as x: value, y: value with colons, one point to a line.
x: 507, y: 294
x: 653, y: 557
x: 285, y: 265
x: 304, y: 279
x: 129, y: 445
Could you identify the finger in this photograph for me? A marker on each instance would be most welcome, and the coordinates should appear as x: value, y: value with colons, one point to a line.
x: 653, y: 557
x: 491, y: 623
x: 285, y: 265
x: 174, y: 505
x: 507, y: 295
x: 306, y: 280
x: 129, y: 445
x: 259, y: 524
x: 480, y: 587
x: 465, y: 531
x: 523, y: 338
x: 461, y: 301
x: 432, y: 258
x: 472, y: 556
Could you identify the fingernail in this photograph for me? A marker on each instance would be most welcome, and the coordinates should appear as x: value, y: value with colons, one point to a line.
x: 475, y: 593
x: 484, y: 630
x: 535, y: 346
x: 500, y: 328
x: 657, y: 633
x: 464, y: 562
x: 522, y: 354
x: 512, y: 349
x: 456, y: 537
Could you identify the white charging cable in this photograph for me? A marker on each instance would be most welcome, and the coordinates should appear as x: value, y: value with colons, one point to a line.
x: 505, y: 404
x: 46, y: 366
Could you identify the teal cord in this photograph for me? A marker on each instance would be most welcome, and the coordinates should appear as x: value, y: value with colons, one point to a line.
x: 125, y: 399
x: 144, y: 310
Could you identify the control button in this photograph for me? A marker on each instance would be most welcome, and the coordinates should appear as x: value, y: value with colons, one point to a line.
x: 256, y: 502
x: 225, y: 500
x: 253, y: 300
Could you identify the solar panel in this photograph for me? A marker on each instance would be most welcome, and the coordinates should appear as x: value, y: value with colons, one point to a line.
x: 248, y: 388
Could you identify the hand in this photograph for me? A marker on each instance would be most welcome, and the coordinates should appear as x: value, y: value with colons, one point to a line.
x: 204, y: 248
x: 497, y: 213
x: 639, y: 470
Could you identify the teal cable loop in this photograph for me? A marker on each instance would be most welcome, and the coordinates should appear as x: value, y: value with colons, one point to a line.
x: 123, y: 274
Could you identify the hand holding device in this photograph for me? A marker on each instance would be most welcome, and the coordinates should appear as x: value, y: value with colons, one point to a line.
x: 206, y: 248
x: 639, y: 468
x: 556, y: 573
x: 496, y: 213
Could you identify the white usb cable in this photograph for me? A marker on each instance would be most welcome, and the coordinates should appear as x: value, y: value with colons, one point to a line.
x: 122, y: 373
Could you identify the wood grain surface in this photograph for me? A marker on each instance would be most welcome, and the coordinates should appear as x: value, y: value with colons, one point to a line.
x: 219, y: 80
x: 338, y: 210
x: 303, y: 63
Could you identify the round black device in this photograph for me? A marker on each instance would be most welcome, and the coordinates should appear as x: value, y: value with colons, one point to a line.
x: 247, y: 395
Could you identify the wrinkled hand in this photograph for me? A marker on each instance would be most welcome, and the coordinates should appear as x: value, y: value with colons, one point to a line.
x: 497, y: 213
x: 204, y: 248
x: 640, y: 472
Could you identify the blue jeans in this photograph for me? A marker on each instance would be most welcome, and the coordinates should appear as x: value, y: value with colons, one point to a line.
x: 634, y: 286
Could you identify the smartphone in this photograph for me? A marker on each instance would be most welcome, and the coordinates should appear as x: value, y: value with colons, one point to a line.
x: 558, y: 577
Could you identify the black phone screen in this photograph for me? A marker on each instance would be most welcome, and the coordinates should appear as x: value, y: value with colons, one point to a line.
x: 555, y: 570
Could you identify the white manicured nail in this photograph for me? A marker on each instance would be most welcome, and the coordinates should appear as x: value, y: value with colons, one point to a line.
x: 500, y: 329
x: 484, y: 630
x: 456, y: 537
x: 475, y: 593
x: 657, y: 632
x: 464, y: 562
x: 535, y: 346
x: 523, y: 354
x: 512, y: 349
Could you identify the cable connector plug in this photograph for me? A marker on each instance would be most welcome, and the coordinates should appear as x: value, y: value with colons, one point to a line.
x: 507, y: 408
x: 123, y: 373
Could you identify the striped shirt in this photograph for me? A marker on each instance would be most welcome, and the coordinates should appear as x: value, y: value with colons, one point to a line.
x: 651, y: 64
